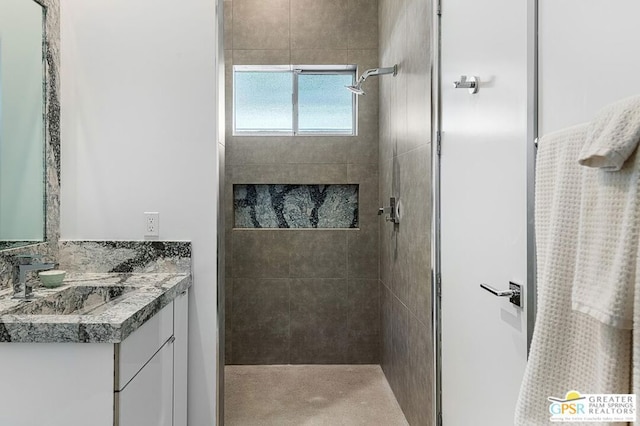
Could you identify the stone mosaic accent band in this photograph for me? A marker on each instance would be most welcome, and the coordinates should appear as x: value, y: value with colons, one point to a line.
x: 295, y: 206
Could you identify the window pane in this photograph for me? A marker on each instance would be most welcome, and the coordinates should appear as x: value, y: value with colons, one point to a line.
x: 324, y: 104
x: 263, y: 101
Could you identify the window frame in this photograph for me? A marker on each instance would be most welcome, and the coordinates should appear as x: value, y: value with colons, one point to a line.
x: 297, y: 70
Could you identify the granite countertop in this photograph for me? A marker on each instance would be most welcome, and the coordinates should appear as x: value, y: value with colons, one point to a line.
x: 114, y: 305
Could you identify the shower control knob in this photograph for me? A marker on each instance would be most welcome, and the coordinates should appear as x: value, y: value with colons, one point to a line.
x: 393, y: 210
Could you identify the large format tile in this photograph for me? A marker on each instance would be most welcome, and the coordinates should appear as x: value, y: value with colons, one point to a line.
x: 260, y: 329
x: 317, y: 150
x: 228, y: 24
x: 319, y: 56
x: 317, y: 173
x: 256, y: 174
x: 228, y: 320
x: 259, y: 24
x: 420, y: 411
x: 362, y: 249
x: 318, y: 254
x: 364, y: 150
x: 366, y: 175
x: 386, y: 330
x: 363, y: 24
x: 257, y: 149
x: 261, y: 57
x: 363, y: 307
x: 228, y: 99
x: 363, y: 349
x: 319, y: 24
x: 400, y: 353
x: 417, y: 68
x: 413, y: 268
x: 387, y: 234
x: 261, y: 253
x: 319, y: 321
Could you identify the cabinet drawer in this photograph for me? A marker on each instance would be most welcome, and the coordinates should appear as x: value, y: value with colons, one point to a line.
x: 142, y: 344
x: 147, y: 400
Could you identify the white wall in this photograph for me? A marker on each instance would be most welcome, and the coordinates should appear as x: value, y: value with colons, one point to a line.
x: 588, y: 58
x: 138, y: 99
x: 21, y: 122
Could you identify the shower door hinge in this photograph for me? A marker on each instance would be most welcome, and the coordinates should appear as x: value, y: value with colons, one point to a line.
x: 439, y: 8
x: 438, y: 142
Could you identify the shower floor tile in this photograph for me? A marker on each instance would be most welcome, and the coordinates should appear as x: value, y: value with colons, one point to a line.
x: 309, y: 395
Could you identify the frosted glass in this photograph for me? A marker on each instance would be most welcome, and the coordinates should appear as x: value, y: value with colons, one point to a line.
x: 263, y: 101
x: 324, y: 104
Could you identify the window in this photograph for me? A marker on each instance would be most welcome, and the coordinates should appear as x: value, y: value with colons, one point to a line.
x: 293, y: 100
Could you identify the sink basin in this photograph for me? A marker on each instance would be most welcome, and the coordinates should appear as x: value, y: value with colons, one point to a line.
x: 75, y: 300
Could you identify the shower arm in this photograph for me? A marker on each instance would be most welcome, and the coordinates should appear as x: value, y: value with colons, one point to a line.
x: 378, y: 71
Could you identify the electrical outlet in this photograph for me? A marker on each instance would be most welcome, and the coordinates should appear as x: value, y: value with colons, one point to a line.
x: 151, y: 224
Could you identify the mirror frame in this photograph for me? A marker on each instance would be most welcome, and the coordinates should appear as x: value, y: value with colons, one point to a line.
x: 51, y: 46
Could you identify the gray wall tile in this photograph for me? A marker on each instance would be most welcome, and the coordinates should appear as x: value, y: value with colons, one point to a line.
x: 260, y: 321
x: 318, y: 321
x: 261, y: 253
x: 363, y: 24
x: 318, y: 173
x: 319, y: 56
x: 367, y: 176
x: 363, y: 151
x: 228, y: 100
x: 386, y: 330
x: 228, y: 319
x: 416, y: 245
x: 319, y: 32
x: 253, y: 56
x: 405, y: 169
x: 400, y: 353
x: 318, y: 254
x: 257, y: 173
x: 418, y: 70
x: 363, y: 251
x: 363, y: 300
x: 259, y: 24
x: 421, y: 373
x: 228, y: 25
x: 363, y: 349
x: 257, y: 149
x: 316, y: 150
x: 319, y: 24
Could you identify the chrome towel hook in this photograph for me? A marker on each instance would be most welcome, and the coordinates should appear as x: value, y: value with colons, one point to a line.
x: 472, y: 84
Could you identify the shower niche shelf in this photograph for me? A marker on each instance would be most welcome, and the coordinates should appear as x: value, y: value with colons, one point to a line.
x: 295, y: 206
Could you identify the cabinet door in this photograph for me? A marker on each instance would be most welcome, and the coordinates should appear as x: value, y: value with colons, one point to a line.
x: 180, y: 329
x: 147, y: 400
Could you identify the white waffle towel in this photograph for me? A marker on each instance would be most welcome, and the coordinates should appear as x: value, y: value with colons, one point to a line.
x: 613, y: 135
x: 569, y: 350
x: 605, y: 272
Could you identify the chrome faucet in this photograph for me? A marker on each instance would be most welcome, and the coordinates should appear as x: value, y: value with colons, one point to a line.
x: 23, y: 264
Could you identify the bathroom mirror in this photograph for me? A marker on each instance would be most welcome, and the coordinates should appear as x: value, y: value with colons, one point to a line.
x: 22, y: 123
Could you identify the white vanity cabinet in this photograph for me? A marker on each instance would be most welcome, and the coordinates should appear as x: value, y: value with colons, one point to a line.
x: 151, y: 368
x: 141, y: 381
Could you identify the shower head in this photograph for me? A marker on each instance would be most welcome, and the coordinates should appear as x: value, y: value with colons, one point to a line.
x: 357, y: 88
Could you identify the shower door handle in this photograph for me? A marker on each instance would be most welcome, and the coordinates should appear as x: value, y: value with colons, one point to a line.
x: 472, y: 83
x: 514, y: 293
